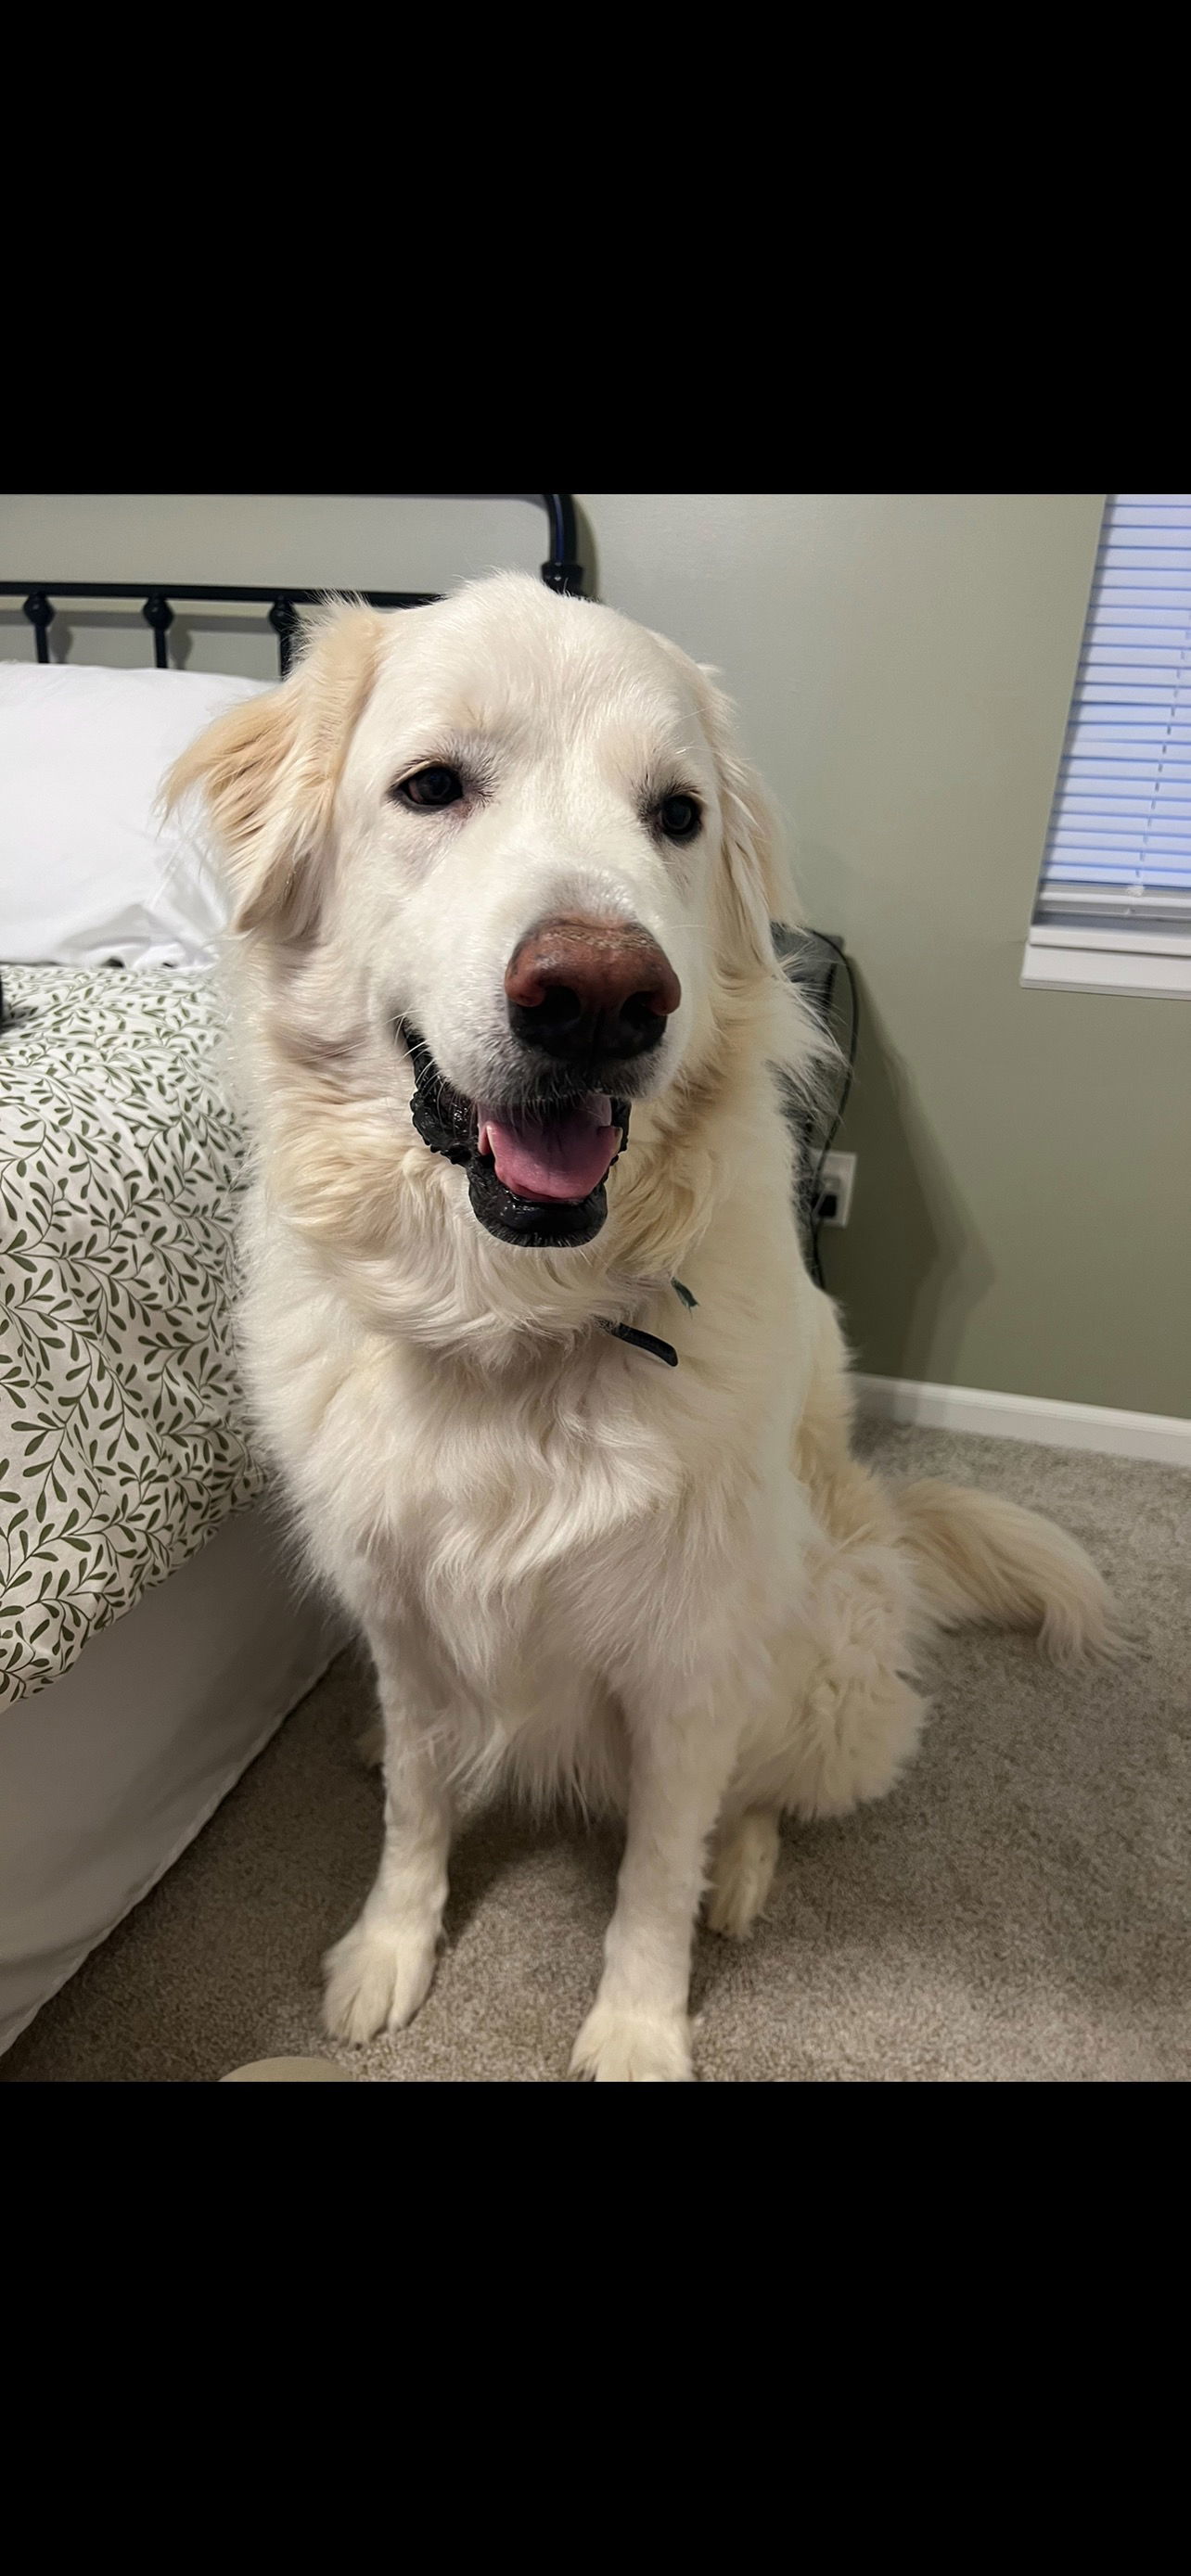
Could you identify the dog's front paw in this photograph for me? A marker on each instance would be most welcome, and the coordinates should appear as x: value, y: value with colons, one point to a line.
x: 375, y: 1980
x: 617, y: 2047
x: 370, y: 1744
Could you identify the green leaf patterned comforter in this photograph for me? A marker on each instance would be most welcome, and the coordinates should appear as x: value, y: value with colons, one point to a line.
x: 123, y: 1435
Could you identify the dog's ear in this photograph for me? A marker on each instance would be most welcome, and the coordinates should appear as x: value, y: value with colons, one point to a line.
x: 268, y: 770
x: 759, y: 884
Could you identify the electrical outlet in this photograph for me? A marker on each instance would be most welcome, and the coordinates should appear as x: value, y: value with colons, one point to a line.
x: 837, y: 1180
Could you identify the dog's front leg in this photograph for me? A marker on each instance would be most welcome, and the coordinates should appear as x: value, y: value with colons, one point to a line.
x: 381, y: 1970
x: 680, y: 1765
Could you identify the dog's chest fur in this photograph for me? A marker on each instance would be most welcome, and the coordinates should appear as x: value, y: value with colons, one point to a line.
x: 525, y: 1515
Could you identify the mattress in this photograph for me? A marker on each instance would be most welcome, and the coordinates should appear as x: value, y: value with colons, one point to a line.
x: 107, y: 1775
x: 151, y: 1638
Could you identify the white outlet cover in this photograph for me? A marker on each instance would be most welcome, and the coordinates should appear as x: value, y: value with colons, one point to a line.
x: 839, y: 1175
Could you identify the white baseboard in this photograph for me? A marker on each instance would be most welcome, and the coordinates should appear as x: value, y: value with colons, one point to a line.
x: 1164, y: 1437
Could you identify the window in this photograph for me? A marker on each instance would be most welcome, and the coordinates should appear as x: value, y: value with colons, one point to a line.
x: 1113, y: 912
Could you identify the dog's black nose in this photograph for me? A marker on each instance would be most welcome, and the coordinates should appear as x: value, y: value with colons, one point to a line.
x: 588, y: 991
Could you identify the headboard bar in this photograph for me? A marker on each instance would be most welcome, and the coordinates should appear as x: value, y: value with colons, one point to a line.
x: 561, y: 571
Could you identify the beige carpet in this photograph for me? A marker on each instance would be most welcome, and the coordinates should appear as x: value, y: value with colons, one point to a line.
x: 1018, y: 1910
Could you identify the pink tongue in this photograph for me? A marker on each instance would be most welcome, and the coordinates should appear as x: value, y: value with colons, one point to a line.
x: 563, y: 1158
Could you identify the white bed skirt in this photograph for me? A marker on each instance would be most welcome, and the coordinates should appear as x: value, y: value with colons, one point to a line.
x: 107, y: 1775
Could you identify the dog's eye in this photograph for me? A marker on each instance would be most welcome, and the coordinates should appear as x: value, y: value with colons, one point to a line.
x: 679, y: 817
x: 435, y: 786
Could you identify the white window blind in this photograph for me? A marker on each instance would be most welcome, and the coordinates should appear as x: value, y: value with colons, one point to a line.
x: 1118, y: 853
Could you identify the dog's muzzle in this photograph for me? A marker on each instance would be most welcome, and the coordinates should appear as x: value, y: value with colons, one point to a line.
x: 535, y: 1175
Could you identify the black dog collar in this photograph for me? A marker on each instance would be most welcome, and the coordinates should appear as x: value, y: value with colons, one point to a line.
x: 650, y: 1342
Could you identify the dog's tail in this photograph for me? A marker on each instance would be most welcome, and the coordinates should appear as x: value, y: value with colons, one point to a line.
x: 977, y: 1558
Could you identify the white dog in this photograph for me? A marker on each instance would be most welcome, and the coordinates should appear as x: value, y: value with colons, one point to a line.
x: 500, y: 878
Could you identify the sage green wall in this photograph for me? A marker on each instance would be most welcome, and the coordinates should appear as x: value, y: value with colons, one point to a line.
x: 903, y: 665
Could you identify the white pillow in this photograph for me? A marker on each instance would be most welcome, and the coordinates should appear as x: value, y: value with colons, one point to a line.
x: 88, y: 873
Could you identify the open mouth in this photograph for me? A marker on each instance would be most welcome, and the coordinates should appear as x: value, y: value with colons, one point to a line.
x: 536, y: 1173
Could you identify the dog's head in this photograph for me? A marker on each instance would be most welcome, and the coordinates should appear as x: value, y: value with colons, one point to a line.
x: 508, y: 834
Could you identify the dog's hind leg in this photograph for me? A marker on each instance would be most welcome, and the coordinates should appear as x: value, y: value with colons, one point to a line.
x: 742, y: 1866
x: 381, y: 1970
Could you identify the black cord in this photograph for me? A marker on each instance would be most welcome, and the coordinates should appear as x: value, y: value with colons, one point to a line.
x: 841, y: 1104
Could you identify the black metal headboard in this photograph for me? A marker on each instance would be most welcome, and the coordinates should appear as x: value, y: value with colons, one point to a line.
x: 561, y: 571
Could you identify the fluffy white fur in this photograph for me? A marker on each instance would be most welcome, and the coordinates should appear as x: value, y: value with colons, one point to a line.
x: 669, y: 1592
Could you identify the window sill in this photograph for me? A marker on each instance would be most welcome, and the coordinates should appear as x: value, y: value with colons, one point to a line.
x: 1161, y: 970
